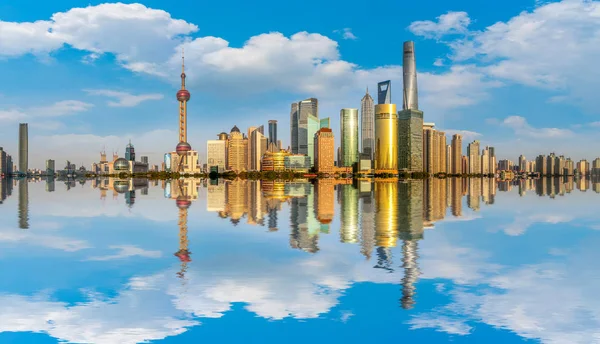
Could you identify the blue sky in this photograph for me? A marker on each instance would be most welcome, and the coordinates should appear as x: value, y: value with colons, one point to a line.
x: 517, y: 75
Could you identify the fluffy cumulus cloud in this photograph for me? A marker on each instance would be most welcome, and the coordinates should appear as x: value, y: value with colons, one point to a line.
x: 449, y: 23
x: 150, y: 41
x: 551, y: 47
x: 522, y: 128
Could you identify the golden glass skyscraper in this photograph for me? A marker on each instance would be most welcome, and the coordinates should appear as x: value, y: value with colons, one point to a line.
x: 386, y: 138
x: 349, y: 136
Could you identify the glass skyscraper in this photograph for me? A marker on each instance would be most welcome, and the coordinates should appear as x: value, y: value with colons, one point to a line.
x: 325, y: 123
x: 313, y: 127
x: 410, y: 140
x: 273, y: 131
x: 384, y: 92
x: 367, y: 116
x: 299, y: 124
x: 294, y: 128
x: 349, y: 137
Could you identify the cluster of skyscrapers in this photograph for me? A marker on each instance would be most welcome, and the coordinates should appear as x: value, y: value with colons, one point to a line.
x: 551, y: 165
x: 377, y: 138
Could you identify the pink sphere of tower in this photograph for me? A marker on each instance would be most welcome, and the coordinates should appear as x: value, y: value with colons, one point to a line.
x: 183, y: 95
x: 182, y: 148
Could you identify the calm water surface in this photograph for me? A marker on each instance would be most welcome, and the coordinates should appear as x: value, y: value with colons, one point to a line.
x: 462, y: 261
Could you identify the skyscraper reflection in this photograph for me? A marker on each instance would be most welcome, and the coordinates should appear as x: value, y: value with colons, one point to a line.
x: 367, y: 218
x: 23, y: 204
x: 349, y: 214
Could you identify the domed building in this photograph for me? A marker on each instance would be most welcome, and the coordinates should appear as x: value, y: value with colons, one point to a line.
x: 121, y: 165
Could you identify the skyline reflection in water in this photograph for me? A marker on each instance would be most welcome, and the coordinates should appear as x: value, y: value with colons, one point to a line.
x: 467, y: 260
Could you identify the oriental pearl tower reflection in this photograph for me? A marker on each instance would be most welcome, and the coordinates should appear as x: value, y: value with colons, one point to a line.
x: 183, y: 253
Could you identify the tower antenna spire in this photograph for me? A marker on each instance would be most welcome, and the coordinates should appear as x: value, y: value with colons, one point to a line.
x: 182, y: 69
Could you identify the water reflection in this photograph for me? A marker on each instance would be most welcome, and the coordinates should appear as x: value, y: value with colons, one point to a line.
x: 446, y: 246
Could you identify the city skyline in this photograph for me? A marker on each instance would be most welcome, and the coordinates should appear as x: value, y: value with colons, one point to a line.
x: 455, y: 82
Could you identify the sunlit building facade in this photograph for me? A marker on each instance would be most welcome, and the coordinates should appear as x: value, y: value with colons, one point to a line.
x: 349, y: 136
x: 386, y: 138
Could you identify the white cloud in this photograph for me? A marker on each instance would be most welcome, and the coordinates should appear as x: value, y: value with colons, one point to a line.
x: 58, y: 109
x: 8, y: 235
x: 438, y: 62
x: 149, y: 41
x: 522, y: 128
x: 346, y: 33
x: 127, y: 251
x: 551, y: 47
x: 449, y: 23
x: 125, y: 99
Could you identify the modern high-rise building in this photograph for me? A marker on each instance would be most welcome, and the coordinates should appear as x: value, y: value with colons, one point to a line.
x: 409, y: 69
x: 5, y: 163
x: 410, y: 119
x: 273, y: 131
x: 428, y: 147
x: 595, y: 167
x: 305, y: 108
x: 324, y: 150
x: 349, y: 136
x: 249, y: 146
x: 522, y: 163
x: 325, y: 123
x: 474, y: 159
x: 50, y: 167
x: 313, y: 127
x: 456, y: 154
x: 258, y: 146
x: 367, y: 119
x: 144, y: 160
x: 23, y: 148
x: 129, y: 152
x: 216, y: 151
x: 294, y: 128
x: 410, y: 140
x: 493, y: 162
x: 236, y: 151
x: 386, y: 139
x: 384, y: 92
x: 448, y: 159
x: 439, y: 152
x: 541, y: 165
x: 485, y: 161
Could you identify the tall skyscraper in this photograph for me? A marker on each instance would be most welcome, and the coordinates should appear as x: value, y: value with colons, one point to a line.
x: 23, y: 148
x: 367, y: 114
x: 474, y: 159
x: 386, y: 138
x: 493, y: 162
x: 384, y: 92
x: 129, y: 152
x: 410, y: 119
x: 216, y: 155
x: 50, y: 167
x: 485, y: 161
x: 409, y: 70
x: 349, y: 136
x: 236, y: 151
x: 324, y: 150
x: 456, y: 154
x: 305, y: 108
x: 258, y: 146
x: 313, y: 127
x: 249, y: 146
x: 448, y: 159
x: 522, y: 163
x: 273, y: 131
x: 324, y: 123
x: 428, y: 133
x: 144, y: 160
x: 294, y: 128
x: 410, y: 140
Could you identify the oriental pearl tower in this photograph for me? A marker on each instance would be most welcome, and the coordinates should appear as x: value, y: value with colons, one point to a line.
x: 183, y: 95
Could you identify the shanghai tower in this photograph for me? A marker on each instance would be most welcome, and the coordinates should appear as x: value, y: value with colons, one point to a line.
x: 409, y: 71
x: 410, y: 119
